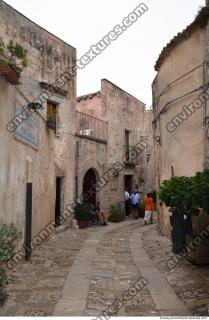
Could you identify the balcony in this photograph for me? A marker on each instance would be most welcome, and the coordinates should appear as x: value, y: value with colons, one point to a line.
x: 90, y: 127
x: 129, y: 157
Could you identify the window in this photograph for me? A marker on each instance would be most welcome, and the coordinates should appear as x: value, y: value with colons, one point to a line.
x: 52, y: 116
x: 114, y: 183
x: 172, y: 171
x: 127, y: 133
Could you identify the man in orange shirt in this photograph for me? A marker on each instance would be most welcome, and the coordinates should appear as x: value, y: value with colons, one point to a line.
x: 149, y: 208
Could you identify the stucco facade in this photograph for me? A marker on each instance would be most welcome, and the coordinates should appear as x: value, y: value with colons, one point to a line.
x: 47, y: 155
x: 180, y: 107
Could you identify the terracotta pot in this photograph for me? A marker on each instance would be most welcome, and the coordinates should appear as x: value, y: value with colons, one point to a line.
x: 51, y: 124
x: 13, y: 75
x: 4, y: 70
x: 83, y: 224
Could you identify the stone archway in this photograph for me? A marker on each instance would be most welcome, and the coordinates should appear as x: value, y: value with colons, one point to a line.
x: 89, y: 181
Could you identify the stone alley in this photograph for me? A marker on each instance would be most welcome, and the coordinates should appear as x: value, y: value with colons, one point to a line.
x: 82, y: 273
x: 104, y: 169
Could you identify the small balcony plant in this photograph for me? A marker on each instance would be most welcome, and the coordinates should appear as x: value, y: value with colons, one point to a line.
x: 13, y: 59
x: 51, y: 121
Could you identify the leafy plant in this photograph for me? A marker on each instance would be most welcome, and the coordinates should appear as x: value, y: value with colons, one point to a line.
x: 8, y: 235
x: 3, y: 284
x: 201, y: 187
x: 186, y: 194
x: 115, y: 215
x: 179, y: 194
x: 51, y: 117
x: 13, y: 53
x: 82, y: 212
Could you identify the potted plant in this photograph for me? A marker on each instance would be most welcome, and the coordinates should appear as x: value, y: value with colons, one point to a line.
x: 115, y: 214
x: 82, y: 214
x: 178, y: 195
x: 51, y: 122
x: 13, y: 58
x: 189, y: 197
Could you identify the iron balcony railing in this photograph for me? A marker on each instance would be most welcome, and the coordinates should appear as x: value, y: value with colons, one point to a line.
x: 90, y: 127
x: 130, y: 157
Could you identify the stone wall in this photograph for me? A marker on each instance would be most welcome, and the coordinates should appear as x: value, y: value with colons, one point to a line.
x: 122, y: 112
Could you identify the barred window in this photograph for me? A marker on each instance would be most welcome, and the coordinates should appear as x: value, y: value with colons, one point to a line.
x: 114, y: 183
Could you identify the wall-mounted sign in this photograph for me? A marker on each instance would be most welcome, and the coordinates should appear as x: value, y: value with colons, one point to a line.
x: 27, y: 131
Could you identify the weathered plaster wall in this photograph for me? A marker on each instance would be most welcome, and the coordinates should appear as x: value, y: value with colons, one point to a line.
x: 48, y: 58
x: 183, y: 148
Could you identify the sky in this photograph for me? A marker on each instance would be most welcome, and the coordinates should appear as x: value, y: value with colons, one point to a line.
x: 129, y: 61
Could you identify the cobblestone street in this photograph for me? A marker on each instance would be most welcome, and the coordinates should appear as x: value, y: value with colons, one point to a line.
x: 82, y: 272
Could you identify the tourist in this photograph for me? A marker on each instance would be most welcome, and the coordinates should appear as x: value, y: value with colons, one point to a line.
x: 101, y: 215
x: 135, y: 198
x: 127, y: 199
x: 149, y: 208
x: 93, y: 216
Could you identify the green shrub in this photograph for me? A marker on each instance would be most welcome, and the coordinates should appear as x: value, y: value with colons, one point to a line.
x: 9, y: 236
x: 82, y: 212
x: 115, y: 215
x: 186, y: 194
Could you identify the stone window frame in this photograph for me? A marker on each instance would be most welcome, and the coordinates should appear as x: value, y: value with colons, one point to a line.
x: 114, y: 183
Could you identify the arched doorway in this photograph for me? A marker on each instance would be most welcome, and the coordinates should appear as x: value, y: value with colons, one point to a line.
x: 89, y: 182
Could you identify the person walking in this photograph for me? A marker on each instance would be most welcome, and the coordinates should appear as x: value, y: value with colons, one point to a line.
x: 127, y: 199
x: 149, y: 208
x: 135, y: 198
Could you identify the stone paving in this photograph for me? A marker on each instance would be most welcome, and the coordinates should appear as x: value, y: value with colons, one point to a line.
x: 83, y: 272
x: 36, y: 286
x: 190, y: 282
x: 114, y: 261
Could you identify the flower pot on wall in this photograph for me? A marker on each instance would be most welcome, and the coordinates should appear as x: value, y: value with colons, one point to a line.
x: 4, y: 70
x: 13, y: 75
x: 51, y: 124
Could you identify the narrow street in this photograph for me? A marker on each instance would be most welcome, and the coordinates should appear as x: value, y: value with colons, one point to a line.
x: 82, y: 273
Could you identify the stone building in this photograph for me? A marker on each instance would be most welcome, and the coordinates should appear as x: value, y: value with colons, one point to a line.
x: 180, y: 105
x: 109, y: 124
x: 37, y: 164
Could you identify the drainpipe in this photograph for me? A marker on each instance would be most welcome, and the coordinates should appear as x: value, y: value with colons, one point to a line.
x: 205, y: 90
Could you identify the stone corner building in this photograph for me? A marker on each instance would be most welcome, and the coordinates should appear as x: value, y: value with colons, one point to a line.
x: 180, y: 105
x: 34, y: 154
x: 109, y: 123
